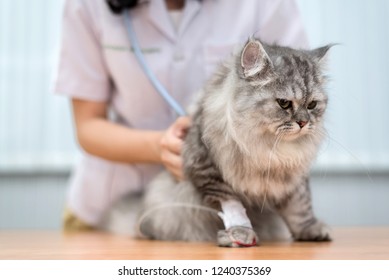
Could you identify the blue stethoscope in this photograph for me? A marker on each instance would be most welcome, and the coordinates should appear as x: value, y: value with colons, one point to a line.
x: 150, y: 75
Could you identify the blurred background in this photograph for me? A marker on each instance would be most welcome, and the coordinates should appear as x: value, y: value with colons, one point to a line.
x: 350, y: 181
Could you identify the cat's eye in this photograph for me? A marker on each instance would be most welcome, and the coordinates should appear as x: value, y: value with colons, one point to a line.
x: 284, y: 104
x: 312, y: 105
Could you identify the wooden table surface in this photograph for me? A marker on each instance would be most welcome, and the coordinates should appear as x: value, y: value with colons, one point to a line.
x: 349, y: 243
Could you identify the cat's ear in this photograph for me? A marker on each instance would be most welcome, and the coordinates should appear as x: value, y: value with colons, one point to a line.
x: 320, y: 53
x: 254, y: 59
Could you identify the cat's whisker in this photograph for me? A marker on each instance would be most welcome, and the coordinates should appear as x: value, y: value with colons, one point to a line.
x: 324, y: 133
x: 313, y: 138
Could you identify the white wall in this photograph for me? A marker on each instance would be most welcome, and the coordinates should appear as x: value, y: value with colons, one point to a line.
x: 36, y: 135
x: 32, y: 201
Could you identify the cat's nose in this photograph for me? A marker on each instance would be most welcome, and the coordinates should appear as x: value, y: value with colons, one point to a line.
x: 301, y: 123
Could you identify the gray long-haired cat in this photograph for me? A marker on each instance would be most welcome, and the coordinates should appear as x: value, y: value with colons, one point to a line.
x: 255, y: 131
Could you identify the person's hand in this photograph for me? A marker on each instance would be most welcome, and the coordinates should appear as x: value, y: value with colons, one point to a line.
x: 171, y: 145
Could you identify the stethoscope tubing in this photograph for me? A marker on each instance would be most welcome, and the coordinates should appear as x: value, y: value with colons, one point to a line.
x: 146, y: 69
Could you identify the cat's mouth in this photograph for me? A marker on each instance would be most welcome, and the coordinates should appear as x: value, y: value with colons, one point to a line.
x: 292, y: 132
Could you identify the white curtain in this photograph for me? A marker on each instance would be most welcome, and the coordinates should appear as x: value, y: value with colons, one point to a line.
x: 35, y: 126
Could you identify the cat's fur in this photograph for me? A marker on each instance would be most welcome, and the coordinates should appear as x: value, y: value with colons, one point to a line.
x: 243, y: 146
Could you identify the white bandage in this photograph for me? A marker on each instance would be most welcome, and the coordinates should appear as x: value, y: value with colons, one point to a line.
x: 234, y: 214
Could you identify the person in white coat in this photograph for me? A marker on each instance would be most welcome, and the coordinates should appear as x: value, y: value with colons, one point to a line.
x: 126, y: 130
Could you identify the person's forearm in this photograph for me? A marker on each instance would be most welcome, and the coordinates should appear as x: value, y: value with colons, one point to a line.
x: 114, y: 142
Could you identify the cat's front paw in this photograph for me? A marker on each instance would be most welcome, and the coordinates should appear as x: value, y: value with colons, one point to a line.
x: 315, y: 232
x: 237, y: 237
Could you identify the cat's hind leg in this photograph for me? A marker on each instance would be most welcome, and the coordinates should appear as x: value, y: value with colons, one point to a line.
x: 174, y: 211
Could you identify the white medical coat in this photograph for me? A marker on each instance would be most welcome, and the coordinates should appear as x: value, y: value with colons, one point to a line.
x: 96, y: 63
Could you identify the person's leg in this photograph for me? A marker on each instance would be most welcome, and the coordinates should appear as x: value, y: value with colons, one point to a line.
x: 72, y: 223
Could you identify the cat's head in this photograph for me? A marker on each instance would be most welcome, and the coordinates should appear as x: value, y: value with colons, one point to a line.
x: 281, y: 91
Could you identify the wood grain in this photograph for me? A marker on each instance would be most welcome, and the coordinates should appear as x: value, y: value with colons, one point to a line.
x: 349, y: 243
